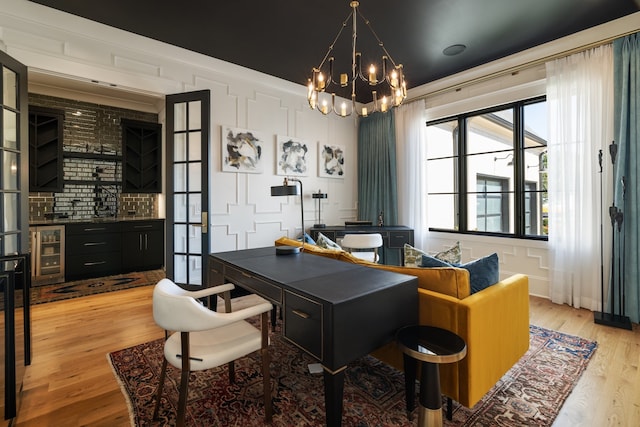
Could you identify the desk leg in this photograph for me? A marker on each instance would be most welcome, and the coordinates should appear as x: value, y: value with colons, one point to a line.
x: 333, y: 395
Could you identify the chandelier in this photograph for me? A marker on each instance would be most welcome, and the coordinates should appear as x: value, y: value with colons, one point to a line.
x: 388, y: 89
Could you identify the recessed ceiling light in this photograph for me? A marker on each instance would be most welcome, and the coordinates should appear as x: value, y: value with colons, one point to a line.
x: 454, y: 49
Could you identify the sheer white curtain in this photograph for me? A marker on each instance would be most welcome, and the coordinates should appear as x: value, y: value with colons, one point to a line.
x: 580, y: 105
x: 411, y: 158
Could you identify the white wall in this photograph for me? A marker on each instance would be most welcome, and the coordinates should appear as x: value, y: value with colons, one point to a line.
x: 242, y: 212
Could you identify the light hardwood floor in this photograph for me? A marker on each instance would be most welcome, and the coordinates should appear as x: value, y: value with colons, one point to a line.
x: 70, y: 382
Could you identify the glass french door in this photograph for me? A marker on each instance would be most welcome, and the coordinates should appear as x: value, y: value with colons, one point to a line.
x: 14, y: 162
x: 187, y: 187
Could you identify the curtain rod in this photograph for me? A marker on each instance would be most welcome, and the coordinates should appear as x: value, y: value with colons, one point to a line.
x: 517, y: 68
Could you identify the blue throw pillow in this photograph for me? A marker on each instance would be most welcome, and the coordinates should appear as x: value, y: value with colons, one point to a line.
x: 429, y: 261
x: 483, y: 272
x: 307, y: 239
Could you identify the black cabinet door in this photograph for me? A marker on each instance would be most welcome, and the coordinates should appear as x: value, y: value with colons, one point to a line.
x: 142, y: 245
x: 142, y: 157
x: 45, y: 149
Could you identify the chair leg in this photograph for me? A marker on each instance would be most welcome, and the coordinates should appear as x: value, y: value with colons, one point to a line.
x: 184, y: 379
x: 163, y: 372
x: 232, y: 372
x: 182, y: 400
x: 449, y: 408
x: 266, y: 372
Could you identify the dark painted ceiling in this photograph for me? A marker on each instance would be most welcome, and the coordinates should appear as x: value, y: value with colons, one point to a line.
x: 286, y: 38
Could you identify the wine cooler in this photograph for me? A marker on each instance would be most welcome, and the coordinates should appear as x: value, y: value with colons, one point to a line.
x: 47, y: 249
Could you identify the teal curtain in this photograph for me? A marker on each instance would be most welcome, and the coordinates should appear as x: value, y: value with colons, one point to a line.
x: 377, y: 178
x: 626, y: 63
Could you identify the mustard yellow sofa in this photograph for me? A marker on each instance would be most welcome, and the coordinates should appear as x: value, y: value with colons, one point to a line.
x: 493, y: 322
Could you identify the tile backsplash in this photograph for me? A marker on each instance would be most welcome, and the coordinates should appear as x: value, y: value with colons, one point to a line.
x: 91, y: 128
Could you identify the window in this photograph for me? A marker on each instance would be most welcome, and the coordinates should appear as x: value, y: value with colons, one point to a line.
x: 486, y: 171
x: 492, y: 204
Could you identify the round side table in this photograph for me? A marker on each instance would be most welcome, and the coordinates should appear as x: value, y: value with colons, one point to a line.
x: 430, y: 346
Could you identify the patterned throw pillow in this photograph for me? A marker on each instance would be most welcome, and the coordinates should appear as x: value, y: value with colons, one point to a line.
x: 413, y: 256
x: 325, y: 242
x: 451, y: 255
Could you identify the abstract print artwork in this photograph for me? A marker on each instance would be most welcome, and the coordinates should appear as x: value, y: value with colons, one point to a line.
x: 241, y: 150
x: 331, y: 161
x: 292, y: 156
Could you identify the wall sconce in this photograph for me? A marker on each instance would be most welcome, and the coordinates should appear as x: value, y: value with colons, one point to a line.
x: 319, y: 196
x: 290, y: 190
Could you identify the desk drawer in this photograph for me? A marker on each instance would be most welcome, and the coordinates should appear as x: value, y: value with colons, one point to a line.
x: 303, y: 323
x: 254, y: 284
x: 397, y: 239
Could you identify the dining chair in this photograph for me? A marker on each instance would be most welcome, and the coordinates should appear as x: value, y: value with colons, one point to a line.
x: 363, y: 245
x: 204, y: 339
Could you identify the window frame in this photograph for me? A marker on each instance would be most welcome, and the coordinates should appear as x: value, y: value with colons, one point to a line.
x: 461, y: 192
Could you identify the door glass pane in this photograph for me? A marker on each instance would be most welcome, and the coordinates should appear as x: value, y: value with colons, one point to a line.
x: 195, y: 114
x: 9, y: 172
x: 11, y: 244
x: 9, y: 91
x: 195, y: 267
x: 180, y: 238
x: 180, y: 206
x: 195, y: 171
x: 179, y: 117
x: 180, y: 177
x: 180, y: 147
x: 195, y: 240
x: 10, y: 130
x: 195, y: 145
x: 11, y: 215
x: 195, y: 208
x: 180, y: 263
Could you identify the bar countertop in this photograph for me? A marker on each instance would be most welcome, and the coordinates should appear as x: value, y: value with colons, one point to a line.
x: 64, y: 221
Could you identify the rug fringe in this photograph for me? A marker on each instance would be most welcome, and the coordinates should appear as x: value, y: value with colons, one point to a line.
x: 123, y: 389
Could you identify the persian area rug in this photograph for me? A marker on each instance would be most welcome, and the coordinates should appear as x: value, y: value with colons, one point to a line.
x: 530, y: 394
x: 80, y: 288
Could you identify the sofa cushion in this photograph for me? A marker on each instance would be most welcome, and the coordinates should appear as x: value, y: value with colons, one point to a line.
x: 483, y: 272
x: 450, y: 281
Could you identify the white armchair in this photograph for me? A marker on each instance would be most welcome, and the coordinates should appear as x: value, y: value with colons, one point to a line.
x: 204, y: 339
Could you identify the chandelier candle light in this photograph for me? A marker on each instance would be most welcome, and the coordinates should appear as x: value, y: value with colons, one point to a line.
x: 391, y: 80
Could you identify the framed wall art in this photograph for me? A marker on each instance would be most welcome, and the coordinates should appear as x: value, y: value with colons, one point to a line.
x: 330, y: 161
x: 292, y: 156
x: 242, y: 150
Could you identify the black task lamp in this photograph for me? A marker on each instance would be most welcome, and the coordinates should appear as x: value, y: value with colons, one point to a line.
x: 319, y: 196
x: 290, y: 190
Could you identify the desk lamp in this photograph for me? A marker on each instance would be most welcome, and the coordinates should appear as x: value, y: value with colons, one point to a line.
x: 290, y: 190
x: 318, y: 196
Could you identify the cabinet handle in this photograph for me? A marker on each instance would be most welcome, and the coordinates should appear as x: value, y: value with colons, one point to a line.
x: 146, y: 241
x: 140, y: 241
x: 246, y: 274
x: 95, y: 243
x: 142, y: 226
x: 95, y: 229
x: 301, y: 314
x: 87, y: 264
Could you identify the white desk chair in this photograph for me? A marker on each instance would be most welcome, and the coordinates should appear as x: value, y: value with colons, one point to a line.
x: 357, y: 244
x: 204, y: 339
